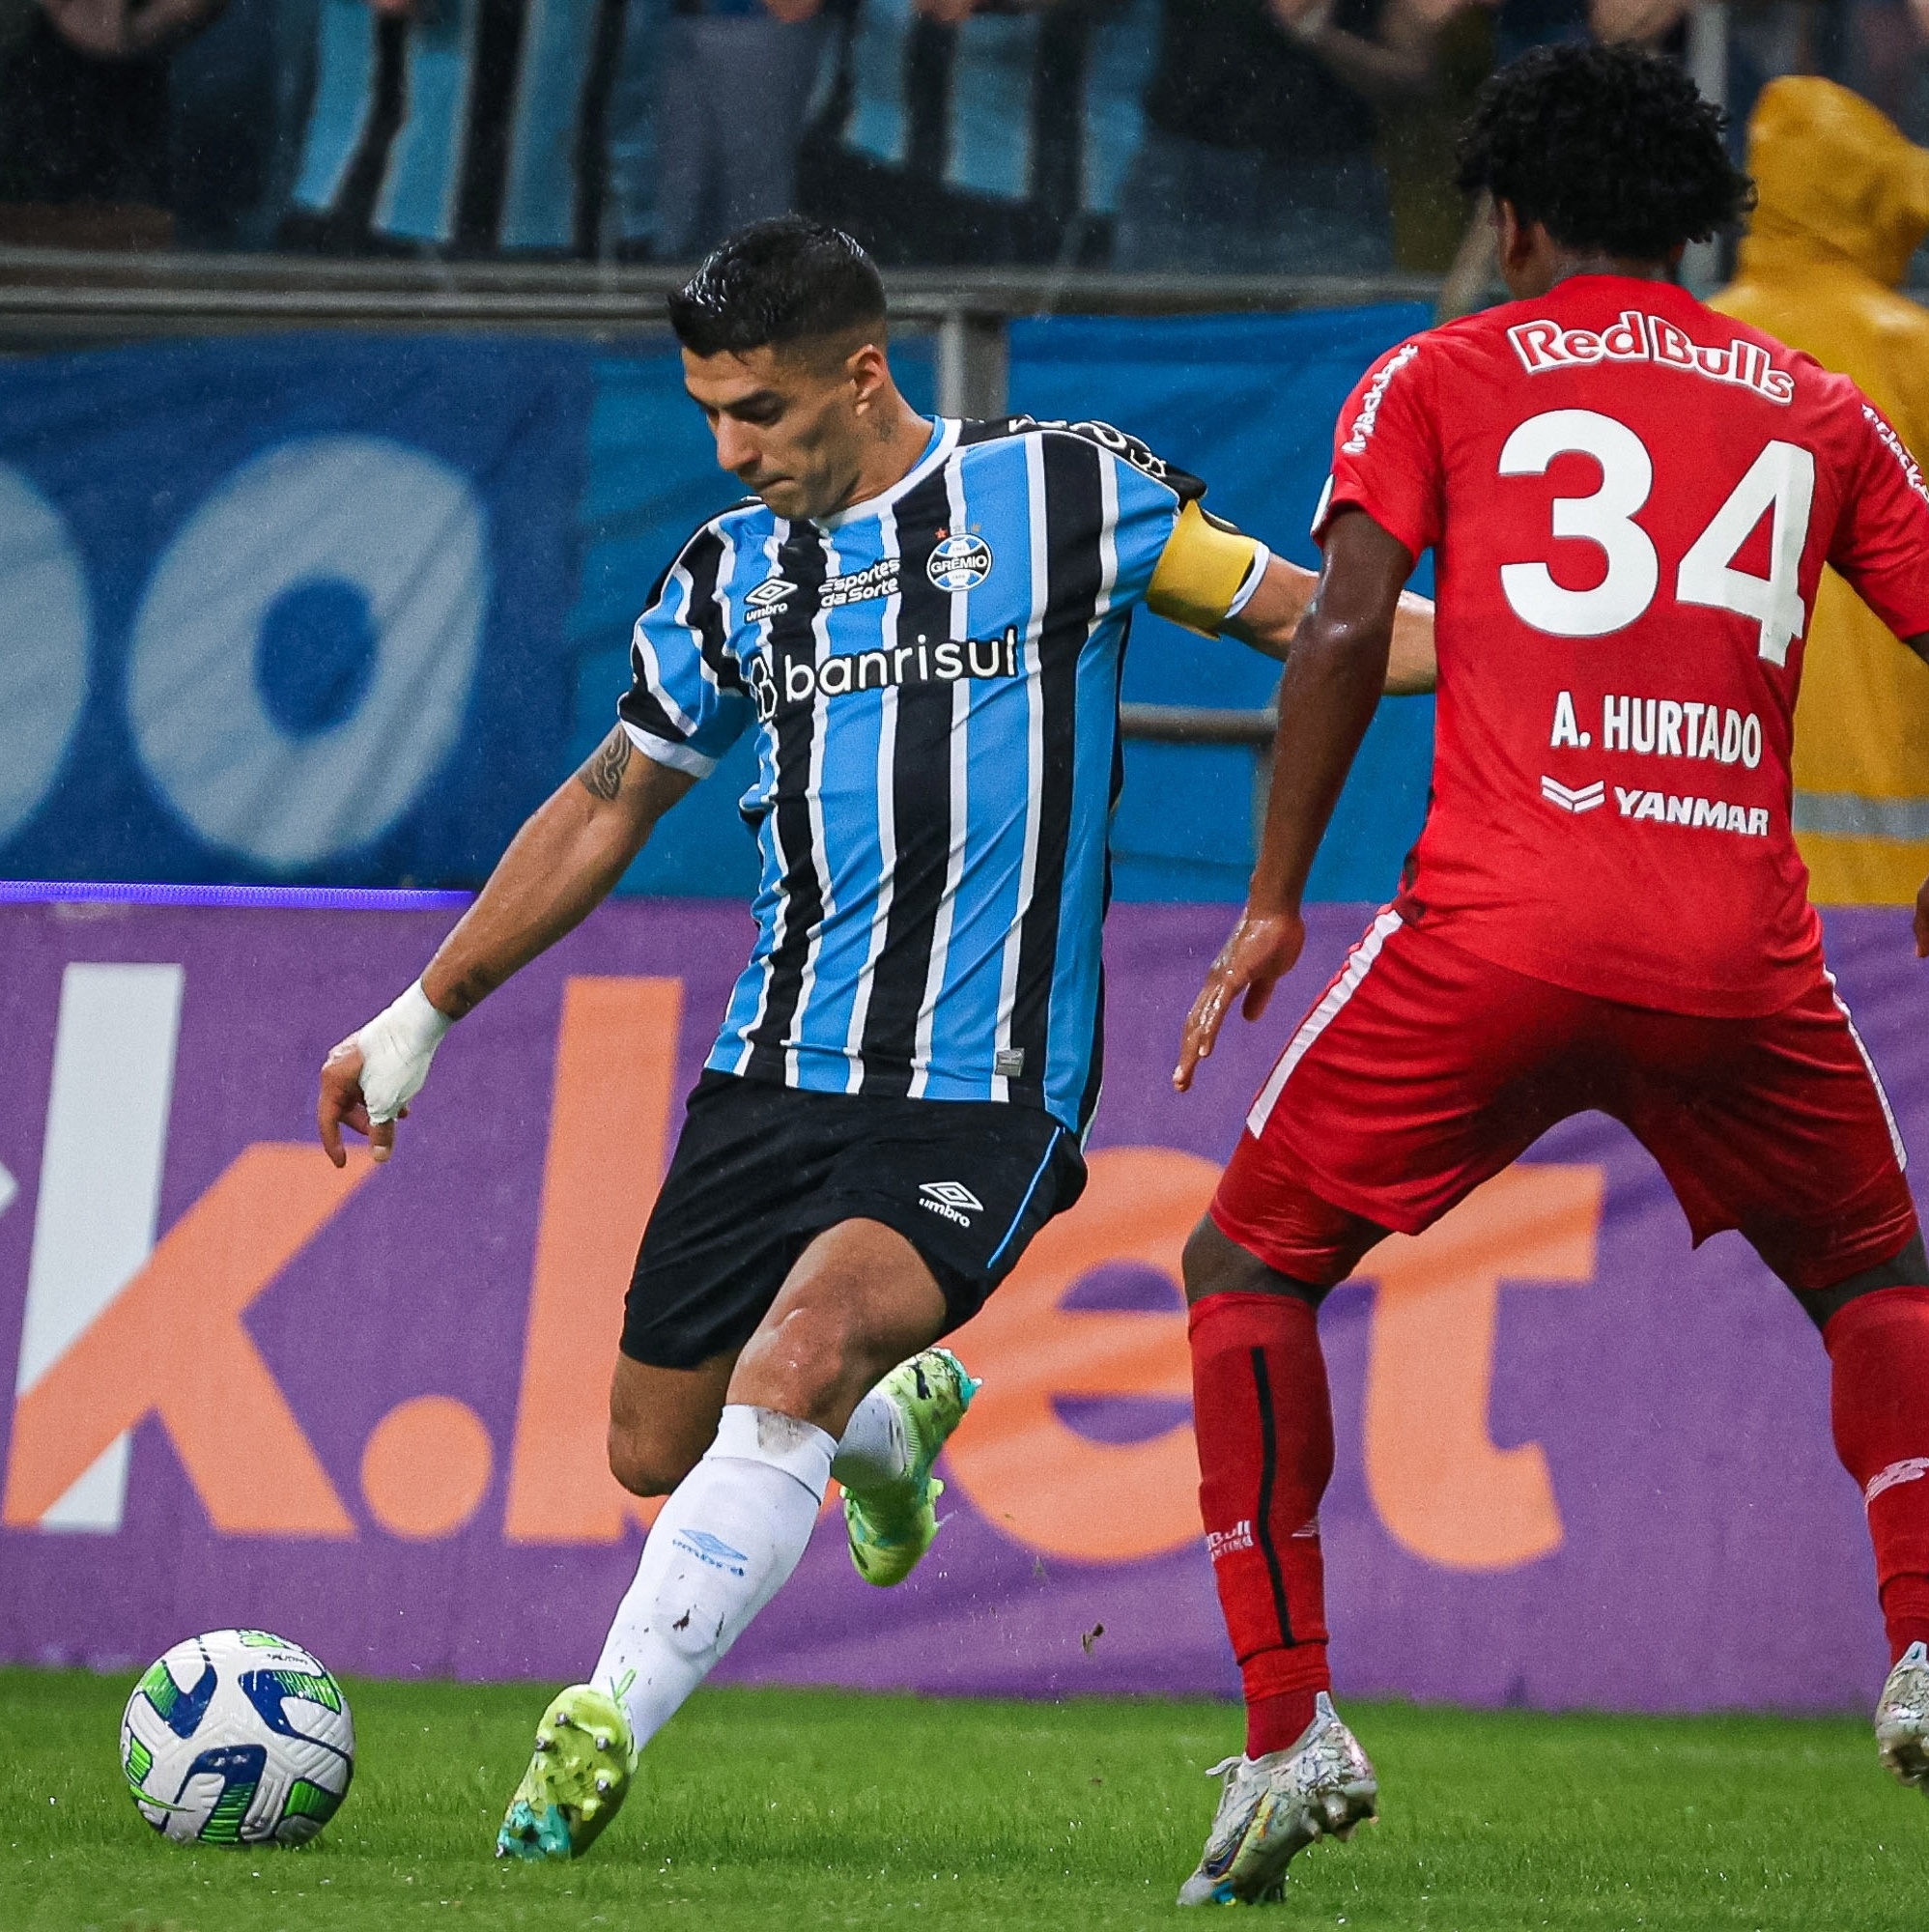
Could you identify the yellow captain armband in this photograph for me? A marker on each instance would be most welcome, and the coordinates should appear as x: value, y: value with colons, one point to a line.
x: 1206, y: 573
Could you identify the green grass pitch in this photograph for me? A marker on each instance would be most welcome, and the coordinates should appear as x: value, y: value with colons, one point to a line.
x: 791, y: 1809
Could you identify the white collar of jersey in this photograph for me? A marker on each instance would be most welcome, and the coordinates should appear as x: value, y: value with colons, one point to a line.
x: 944, y: 440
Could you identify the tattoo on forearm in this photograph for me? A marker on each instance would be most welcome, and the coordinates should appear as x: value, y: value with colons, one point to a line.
x: 601, y: 775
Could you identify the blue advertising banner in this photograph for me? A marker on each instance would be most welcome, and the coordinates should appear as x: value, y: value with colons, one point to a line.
x: 342, y: 610
x: 287, y: 608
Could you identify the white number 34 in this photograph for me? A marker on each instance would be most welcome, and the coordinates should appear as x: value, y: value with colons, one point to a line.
x: 1781, y: 476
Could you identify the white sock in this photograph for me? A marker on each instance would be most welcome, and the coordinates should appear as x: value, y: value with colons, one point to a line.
x: 732, y: 1530
x: 873, y: 1452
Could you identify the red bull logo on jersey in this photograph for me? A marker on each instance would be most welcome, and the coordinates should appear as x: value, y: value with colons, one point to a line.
x: 1635, y: 337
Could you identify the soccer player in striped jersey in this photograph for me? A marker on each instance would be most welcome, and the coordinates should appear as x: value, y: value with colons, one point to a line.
x: 923, y: 624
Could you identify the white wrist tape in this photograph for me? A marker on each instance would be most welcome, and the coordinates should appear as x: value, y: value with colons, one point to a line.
x: 397, y: 1046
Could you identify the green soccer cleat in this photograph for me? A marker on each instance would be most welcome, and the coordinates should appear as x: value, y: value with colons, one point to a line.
x: 891, y: 1528
x: 576, y: 1782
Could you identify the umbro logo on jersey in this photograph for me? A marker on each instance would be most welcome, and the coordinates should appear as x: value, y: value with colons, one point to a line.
x: 769, y: 595
x: 712, y: 1551
x: 952, y: 1198
x: 1585, y: 799
x: 959, y: 563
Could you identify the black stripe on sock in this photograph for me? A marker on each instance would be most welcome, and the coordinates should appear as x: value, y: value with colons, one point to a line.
x: 1268, y: 1476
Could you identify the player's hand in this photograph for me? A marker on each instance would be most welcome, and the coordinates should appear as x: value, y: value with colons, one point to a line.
x: 1922, y: 922
x: 1260, y: 952
x: 369, y: 1078
x: 342, y: 1105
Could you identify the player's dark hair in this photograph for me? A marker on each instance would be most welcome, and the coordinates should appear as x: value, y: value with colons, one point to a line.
x: 776, y: 283
x: 1610, y: 148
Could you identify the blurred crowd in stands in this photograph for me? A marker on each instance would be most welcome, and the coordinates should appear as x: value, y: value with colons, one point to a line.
x: 1160, y: 136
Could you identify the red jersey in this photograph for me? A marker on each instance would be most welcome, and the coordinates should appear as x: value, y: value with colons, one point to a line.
x: 1630, y: 499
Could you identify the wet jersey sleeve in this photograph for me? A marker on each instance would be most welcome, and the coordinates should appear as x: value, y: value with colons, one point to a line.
x: 1169, y: 552
x: 688, y: 702
x: 1881, y: 542
x: 1386, y: 453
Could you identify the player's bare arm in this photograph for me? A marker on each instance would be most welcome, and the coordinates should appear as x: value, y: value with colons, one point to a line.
x: 559, y: 867
x: 1333, y: 683
x: 1272, y: 614
x: 1204, y: 581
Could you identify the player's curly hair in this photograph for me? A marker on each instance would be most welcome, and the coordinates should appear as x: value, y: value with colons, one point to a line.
x: 1609, y: 147
x: 776, y: 283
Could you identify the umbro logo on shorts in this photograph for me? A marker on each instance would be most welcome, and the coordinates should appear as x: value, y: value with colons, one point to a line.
x: 952, y: 1198
x: 712, y: 1550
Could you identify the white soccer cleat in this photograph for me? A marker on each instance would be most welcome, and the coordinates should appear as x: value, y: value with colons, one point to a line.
x: 1274, y: 1806
x: 1902, y: 1719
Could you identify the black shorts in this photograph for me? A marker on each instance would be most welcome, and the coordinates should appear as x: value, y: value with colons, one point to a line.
x: 759, y: 1170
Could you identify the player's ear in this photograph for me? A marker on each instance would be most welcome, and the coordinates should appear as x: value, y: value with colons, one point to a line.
x: 867, y: 370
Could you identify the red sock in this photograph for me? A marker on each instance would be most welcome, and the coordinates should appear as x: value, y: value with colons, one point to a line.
x: 1878, y: 1345
x: 1264, y: 1424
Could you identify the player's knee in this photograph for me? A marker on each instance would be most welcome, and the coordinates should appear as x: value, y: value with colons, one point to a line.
x: 646, y: 1467
x: 1909, y: 1268
x: 1214, y: 1263
x: 814, y: 1364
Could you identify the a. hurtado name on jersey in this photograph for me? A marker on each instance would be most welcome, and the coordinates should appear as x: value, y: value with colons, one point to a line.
x: 1636, y: 337
x: 800, y: 679
x: 1662, y: 727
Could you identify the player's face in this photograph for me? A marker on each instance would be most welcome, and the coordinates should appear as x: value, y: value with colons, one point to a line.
x: 789, y: 423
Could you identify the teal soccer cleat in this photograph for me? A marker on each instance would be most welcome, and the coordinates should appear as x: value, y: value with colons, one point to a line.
x: 584, y: 1762
x: 891, y: 1528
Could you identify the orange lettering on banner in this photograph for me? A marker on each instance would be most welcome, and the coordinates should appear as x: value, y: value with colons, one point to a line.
x: 1022, y: 1467
x: 609, y: 1141
x: 172, y: 1345
x: 1441, y: 1486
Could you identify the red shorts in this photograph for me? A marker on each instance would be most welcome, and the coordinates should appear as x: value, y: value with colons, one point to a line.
x: 1424, y: 1069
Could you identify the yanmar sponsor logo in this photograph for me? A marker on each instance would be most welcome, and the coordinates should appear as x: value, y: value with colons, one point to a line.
x: 1355, y: 444
x: 1717, y: 814
x: 1636, y: 337
x: 1575, y: 799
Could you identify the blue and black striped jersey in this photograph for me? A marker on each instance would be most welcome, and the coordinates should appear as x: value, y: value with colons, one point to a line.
x: 934, y: 678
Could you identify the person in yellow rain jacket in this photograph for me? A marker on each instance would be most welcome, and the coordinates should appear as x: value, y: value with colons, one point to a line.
x: 1844, y: 200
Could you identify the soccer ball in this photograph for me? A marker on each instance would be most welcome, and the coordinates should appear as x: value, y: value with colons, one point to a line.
x: 237, y: 1737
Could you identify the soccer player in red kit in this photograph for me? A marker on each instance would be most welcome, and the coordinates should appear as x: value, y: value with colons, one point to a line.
x: 1631, y: 501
